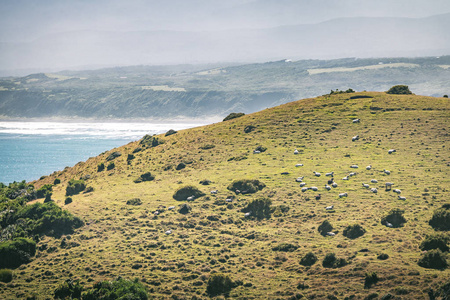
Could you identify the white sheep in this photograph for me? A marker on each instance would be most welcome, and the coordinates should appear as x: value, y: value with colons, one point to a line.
x: 329, y: 174
x: 355, y: 138
x: 345, y: 178
x: 256, y: 151
x: 334, y: 184
x: 356, y: 120
x: 316, y: 174
x: 214, y: 192
x: 387, y: 172
x: 389, y: 186
x: 314, y: 188
x: 299, y: 165
x: 343, y: 195
x: 327, y: 187
x: 389, y: 224
x: 304, y: 189
x: 392, y: 151
x: 295, y: 151
x: 329, y: 207
x: 229, y: 200
x: 369, y: 167
x: 156, y: 213
x: 248, y: 214
x: 190, y: 198
x: 299, y: 179
x: 354, y: 166
x: 365, y: 185
x: 171, y: 208
x: 374, y: 181
x: 397, y: 191
x: 352, y: 174
x: 302, y: 184
x: 168, y: 232
x: 331, y: 233
x: 401, y: 198
x: 374, y: 190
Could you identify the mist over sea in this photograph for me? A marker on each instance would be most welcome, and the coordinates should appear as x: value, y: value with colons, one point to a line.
x: 29, y: 150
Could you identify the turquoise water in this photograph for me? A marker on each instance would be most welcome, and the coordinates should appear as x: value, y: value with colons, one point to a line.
x: 29, y: 150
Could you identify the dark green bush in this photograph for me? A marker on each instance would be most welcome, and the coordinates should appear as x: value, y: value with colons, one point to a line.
x: 117, y: 289
x: 180, y: 166
x: 68, y: 200
x: 445, y: 96
x: 113, y: 155
x: 145, y: 177
x: 325, y: 227
x: 285, y: 247
x: 394, y: 217
x: 89, y: 189
x: 151, y: 141
x: 370, y: 279
x: 6, y: 275
x: 74, y: 187
x: 261, y: 148
x: 383, y: 256
x: 134, y: 201
x: 433, y: 259
x: 170, y: 132
x: 399, y: 90
x: 436, y: 241
x: 48, y: 197
x: 233, y: 116
x: 249, y: 128
x: 130, y: 157
x: 441, y: 218
x: 309, y: 259
x: 219, y: 284
x: 187, y: 191
x: 353, y: 231
x: 246, y: 186
x: 40, y: 193
x: 70, y: 289
x: 259, y: 208
x: 16, y: 252
x: 100, y: 167
x: 331, y: 261
x: 56, y: 181
x: 111, y: 166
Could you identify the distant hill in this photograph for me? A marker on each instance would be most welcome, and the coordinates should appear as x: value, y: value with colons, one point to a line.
x: 195, y: 91
x: 133, y: 227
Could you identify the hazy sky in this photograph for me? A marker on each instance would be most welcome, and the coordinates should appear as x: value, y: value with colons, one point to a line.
x: 33, y: 32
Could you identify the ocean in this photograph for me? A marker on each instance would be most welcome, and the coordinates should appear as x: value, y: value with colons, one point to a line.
x: 29, y: 150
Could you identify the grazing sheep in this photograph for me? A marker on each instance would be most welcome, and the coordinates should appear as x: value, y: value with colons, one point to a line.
x: 352, y: 174
x: 329, y: 207
x: 316, y: 174
x: 374, y: 190
x: 356, y: 120
x: 248, y: 214
x: 304, y: 189
x: 355, y: 138
x: 369, y: 167
x: 365, y: 185
x: 392, y: 151
x: 191, y: 198
x: 343, y: 195
x: 299, y: 179
x: 389, y: 186
x: 314, y: 188
x: 389, y: 224
x: 345, y: 178
x: 329, y: 174
x: 397, y: 191
x: 318, y: 197
x: 354, y: 166
x: 302, y: 184
x: 387, y: 172
x: 331, y: 233
x: 214, y: 192
x: 229, y: 200
x: 331, y: 181
x: 256, y: 151
x: 295, y: 151
x: 401, y: 198
x: 334, y: 184
x: 156, y: 213
x: 285, y: 173
x: 327, y: 187
x: 171, y: 208
x: 374, y: 181
x: 168, y: 232
x: 299, y: 165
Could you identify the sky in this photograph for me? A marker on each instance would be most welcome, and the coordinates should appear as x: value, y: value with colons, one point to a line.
x: 30, y: 29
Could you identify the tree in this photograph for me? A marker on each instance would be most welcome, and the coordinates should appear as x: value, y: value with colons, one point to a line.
x: 399, y: 90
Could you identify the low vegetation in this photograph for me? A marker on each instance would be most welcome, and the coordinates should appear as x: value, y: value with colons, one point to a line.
x: 75, y: 186
x: 246, y: 186
x: 232, y: 116
x: 354, y: 231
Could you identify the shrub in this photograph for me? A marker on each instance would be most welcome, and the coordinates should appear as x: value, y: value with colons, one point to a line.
x: 100, y: 167
x: 395, y: 217
x: 259, y: 208
x: 445, y: 96
x: 16, y: 252
x: 246, y: 186
x: 249, y: 128
x: 261, y: 149
x: 187, y: 191
x: 151, y: 141
x: 68, y: 290
x: 353, y: 231
x: 40, y: 193
x: 170, y: 132
x: 74, y: 187
x: 325, y: 227
x: 110, y: 166
x: 145, y: 177
x: 68, y: 200
x: 56, y: 181
x: 116, y: 289
x: 219, y: 284
x: 134, y: 201
x: 437, y: 241
x: 309, y: 259
x: 233, y: 116
x: 184, y: 209
x: 180, y: 166
x: 205, y: 182
x: 399, y: 90
x: 285, y: 247
x: 89, y: 189
x: 113, y: 155
x: 130, y: 157
x: 331, y: 261
x: 371, y: 278
x: 433, y: 259
x: 441, y: 218
x: 207, y: 146
x: 48, y: 197
x: 383, y: 256
x: 6, y: 275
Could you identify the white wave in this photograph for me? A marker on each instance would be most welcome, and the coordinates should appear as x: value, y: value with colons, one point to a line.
x: 107, y: 130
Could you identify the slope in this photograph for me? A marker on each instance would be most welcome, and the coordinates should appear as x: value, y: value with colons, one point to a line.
x: 262, y: 256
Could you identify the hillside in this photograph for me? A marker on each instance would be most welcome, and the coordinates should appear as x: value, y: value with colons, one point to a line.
x: 196, y: 91
x: 262, y: 255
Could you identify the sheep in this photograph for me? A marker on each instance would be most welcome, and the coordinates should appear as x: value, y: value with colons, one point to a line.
x: 365, y: 185
x: 329, y: 174
x: 299, y: 179
x: 168, y: 232
x: 374, y: 190
x: 314, y: 188
x: 304, y: 189
x: 191, y: 198
x: 369, y: 167
x: 392, y: 151
x: 356, y: 120
x: 256, y: 151
x: 401, y: 198
x: 374, y: 181
x: 318, y: 197
x: 334, y: 184
x: 387, y: 172
x: 302, y: 184
x: 299, y: 165
x: 329, y: 207
x: 331, y: 233
x: 354, y: 166
x: 156, y: 213
x: 343, y: 195
x: 389, y: 186
x: 248, y: 214
x: 229, y: 200
x: 316, y: 174
x: 352, y: 174
x: 331, y: 181
x: 327, y: 187
x: 295, y: 151
x: 389, y: 225
x: 355, y: 138
x: 397, y: 191
x: 214, y: 192
x: 285, y: 173
x: 171, y: 208
x: 345, y: 178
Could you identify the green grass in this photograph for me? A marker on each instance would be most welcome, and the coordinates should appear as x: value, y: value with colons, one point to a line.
x: 130, y: 241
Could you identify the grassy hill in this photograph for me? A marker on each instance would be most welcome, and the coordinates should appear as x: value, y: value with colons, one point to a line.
x: 262, y: 256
